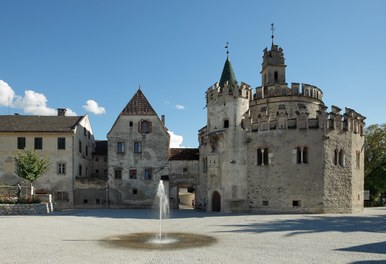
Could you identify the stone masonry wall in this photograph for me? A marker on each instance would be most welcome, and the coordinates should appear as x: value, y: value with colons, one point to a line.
x: 23, y: 209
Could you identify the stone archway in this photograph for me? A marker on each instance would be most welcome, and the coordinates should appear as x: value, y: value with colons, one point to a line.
x: 216, y: 202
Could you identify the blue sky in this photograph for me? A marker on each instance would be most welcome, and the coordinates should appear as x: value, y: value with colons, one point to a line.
x: 92, y: 55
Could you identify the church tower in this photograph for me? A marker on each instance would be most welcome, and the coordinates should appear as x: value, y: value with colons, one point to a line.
x: 273, y: 66
x: 222, y: 143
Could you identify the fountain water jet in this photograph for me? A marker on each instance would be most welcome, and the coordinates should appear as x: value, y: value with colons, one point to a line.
x: 163, y: 206
x: 159, y: 240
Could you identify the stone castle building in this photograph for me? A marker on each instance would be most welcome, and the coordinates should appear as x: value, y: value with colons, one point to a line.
x: 275, y: 148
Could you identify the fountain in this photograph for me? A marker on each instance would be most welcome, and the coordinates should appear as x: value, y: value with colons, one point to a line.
x: 160, y: 240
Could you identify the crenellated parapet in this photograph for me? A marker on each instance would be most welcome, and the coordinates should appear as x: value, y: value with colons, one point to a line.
x: 275, y: 90
x: 279, y: 118
x: 228, y: 90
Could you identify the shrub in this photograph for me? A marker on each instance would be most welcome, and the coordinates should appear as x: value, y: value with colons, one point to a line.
x: 5, y: 199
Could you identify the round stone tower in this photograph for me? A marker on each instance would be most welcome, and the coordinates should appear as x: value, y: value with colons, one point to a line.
x: 222, y: 143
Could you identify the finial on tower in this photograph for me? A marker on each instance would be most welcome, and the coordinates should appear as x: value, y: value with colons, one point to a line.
x: 272, y: 30
x: 227, y: 48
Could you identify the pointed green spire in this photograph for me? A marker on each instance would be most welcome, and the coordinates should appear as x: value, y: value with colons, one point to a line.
x: 228, y: 74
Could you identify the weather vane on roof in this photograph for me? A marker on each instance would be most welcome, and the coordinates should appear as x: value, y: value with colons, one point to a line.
x: 227, y: 48
x: 272, y: 30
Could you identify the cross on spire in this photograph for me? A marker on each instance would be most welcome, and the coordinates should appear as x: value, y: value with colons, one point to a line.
x: 227, y: 48
x: 272, y: 30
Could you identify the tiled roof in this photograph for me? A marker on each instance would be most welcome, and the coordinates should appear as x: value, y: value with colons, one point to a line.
x: 24, y: 123
x: 183, y: 154
x: 138, y: 105
x: 100, y: 147
x: 228, y: 74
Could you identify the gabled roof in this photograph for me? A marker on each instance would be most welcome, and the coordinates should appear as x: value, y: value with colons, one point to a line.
x: 25, y: 123
x: 138, y: 105
x: 228, y: 74
x: 183, y: 154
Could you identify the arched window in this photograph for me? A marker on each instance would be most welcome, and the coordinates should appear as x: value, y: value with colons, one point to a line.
x: 145, y: 126
x: 276, y: 76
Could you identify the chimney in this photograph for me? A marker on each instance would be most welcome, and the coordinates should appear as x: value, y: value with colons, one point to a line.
x: 62, y: 111
x: 163, y: 119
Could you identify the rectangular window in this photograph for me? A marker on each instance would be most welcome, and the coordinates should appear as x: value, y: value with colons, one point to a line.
x: 80, y: 170
x: 262, y: 156
x: 61, y: 143
x: 120, y: 147
x: 21, y: 143
x: 80, y: 146
x: 86, y: 151
x: 96, y: 172
x: 148, y: 174
x: 133, y: 174
x: 184, y: 170
x: 296, y: 203
x: 84, y: 131
x: 118, y: 174
x: 302, y: 155
x: 61, y: 197
x: 265, y: 203
x: 137, y: 147
x: 38, y: 144
x: 226, y: 123
x: 61, y: 168
x: 98, y: 201
x: 135, y: 191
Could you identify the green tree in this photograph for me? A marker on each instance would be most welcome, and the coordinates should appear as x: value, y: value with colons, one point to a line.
x: 375, y: 160
x: 30, y: 166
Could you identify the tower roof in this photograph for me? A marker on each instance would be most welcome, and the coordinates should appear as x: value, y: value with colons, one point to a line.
x: 228, y: 74
x: 138, y: 105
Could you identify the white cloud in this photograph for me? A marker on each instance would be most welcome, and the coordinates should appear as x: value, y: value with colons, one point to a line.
x: 180, y: 107
x: 7, y: 94
x: 93, y: 107
x: 34, y: 103
x: 175, y: 140
x: 31, y: 102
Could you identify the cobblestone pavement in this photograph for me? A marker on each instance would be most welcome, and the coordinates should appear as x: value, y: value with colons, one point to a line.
x: 76, y: 236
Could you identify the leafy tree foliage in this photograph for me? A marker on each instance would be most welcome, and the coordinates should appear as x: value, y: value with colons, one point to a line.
x: 375, y: 160
x: 30, y: 166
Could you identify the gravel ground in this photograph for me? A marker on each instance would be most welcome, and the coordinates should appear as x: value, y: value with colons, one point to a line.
x: 79, y: 236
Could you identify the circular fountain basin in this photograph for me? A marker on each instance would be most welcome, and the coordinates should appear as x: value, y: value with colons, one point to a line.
x: 169, y: 241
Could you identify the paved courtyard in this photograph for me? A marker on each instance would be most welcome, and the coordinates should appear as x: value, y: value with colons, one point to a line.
x: 76, y: 236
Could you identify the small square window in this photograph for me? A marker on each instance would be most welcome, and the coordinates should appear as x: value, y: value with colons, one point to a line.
x: 61, y: 168
x: 135, y: 191
x: 85, y: 201
x: 226, y: 123
x: 38, y: 143
x: 137, y: 147
x: 61, y: 143
x: 98, y: 201
x: 148, y: 174
x: 133, y: 174
x: 265, y: 203
x: 185, y: 170
x: 118, y: 174
x: 121, y: 147
x: 21, y: 143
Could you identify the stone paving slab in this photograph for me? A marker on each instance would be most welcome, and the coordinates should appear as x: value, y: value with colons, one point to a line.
x: 76, y: 236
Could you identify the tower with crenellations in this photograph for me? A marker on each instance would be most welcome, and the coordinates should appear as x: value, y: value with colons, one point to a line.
x: 277, y: 148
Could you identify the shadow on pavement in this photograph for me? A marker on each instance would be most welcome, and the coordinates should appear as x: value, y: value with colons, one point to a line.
x: 378, y: 248
x: 315, y: 224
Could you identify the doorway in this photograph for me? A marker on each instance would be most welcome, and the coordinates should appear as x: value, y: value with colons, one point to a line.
x: 216, y: 202
x: 186, y: 197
